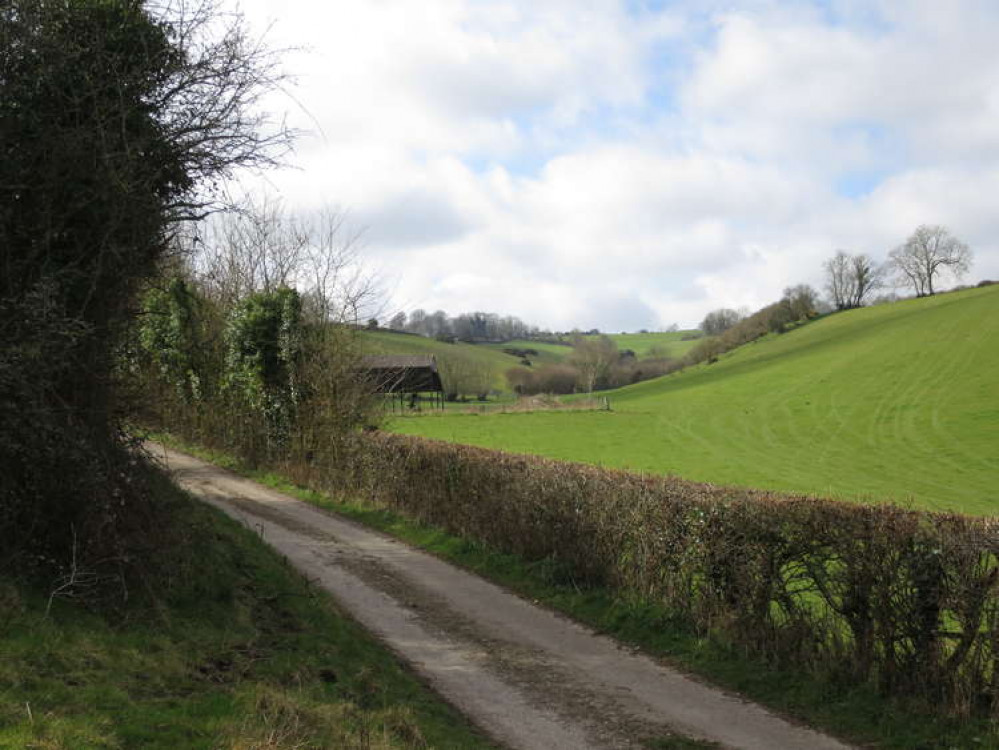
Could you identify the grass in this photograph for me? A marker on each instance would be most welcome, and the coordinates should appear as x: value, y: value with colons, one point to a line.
x: 642, y: 344
x: 493, y: 357
x: 897, y: 403
x: 496, y: 362
x: 547, y: 354
x: 855, y: 713
x: 226, y: 647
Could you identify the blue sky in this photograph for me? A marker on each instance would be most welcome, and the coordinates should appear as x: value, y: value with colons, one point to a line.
x: 629, y: 165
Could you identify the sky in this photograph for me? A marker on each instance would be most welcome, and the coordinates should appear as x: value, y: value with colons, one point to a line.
x: 630, y: 165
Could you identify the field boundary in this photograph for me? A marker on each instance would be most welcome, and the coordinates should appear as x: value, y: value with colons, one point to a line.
x: 857, y: 710
x: 905, y: 601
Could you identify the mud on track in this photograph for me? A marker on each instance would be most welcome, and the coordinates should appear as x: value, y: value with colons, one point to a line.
x: 529, y: 678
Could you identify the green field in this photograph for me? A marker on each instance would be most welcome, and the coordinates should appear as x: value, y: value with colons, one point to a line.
x: 644, y: 343
x: 492, y: 356
x: 546, y: 353
x: 383, y: 342
x: 897, y: 402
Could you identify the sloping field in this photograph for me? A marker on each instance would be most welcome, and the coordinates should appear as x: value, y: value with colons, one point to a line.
x: 897, y: 402
x: 646, y: 344
x: 383, y: 342
x: 642, y: 344
x: 546, y: 353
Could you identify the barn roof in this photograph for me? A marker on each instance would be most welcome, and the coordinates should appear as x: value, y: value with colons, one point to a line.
x: 403, y: 373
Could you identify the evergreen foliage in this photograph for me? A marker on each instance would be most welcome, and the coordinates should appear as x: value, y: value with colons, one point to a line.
x: 169, y: 335
x: 117, y: 118
x: 264, y: 347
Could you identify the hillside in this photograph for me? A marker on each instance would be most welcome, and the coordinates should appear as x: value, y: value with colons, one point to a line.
x: 493, y: 360
x: 642, y: 344
x: 646, y: 344
x: 546, y: 353
x: 896, y: 402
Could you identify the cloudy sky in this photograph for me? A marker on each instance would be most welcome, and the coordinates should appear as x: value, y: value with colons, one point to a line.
x: 632, y: 164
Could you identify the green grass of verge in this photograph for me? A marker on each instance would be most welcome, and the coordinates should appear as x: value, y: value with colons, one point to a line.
x: 898, y: 402
x: 856, y: 713
x: 228, y: 648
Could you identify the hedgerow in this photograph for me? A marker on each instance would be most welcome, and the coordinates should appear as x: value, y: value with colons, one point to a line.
x: 258, y: 378
x: 904, y: 600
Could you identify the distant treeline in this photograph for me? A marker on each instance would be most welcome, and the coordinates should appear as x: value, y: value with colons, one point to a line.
x: 474, y: 326
x: 595, y: 363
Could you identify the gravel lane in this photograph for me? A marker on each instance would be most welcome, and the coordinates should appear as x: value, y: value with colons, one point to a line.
x: 531, y: 679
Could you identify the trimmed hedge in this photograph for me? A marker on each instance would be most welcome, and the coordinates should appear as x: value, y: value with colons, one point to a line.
x: 904, y: 599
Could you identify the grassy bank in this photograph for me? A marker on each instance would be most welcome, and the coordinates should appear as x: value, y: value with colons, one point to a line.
x: 220, y: 645
x: 895, y: 402
x: 823, y: 700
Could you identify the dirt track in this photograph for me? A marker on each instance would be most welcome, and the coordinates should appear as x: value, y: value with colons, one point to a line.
x: 527, y: 677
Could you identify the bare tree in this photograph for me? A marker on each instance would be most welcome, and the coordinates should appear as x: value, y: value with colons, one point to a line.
x: 261, y: 248
x: 839, y: 279
x: 251, y: 249
x: 801, y: 301
x: 930, y: 250
x: 418, y: 322
x: 592, y: 357
x: 867, y: 277
x: 719, y: 321
x: 851, y: 279
x: 465, y: 376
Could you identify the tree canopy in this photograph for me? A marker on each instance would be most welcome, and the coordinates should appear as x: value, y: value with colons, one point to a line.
x: 118, y: 120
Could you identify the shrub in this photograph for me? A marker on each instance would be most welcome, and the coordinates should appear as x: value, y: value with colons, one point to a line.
x: 263, y: 339
x: 558, y: 379
x: 904, y: 600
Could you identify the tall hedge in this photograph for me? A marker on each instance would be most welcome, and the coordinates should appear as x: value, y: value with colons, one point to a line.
x: 906, y: 600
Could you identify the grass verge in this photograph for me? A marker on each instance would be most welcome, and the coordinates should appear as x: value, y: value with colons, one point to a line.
x: 226, y: 647
x: 856, y: 713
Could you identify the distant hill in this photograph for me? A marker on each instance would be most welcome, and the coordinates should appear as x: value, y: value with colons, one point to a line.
x: 495, y: 361
x: 898, y: 401
x: 670, y: 344
x: 649, y: 344
x: 501, y: 356
x: 538, y: 352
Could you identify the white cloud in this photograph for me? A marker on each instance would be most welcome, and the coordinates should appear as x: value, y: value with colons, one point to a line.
x: 591, y: 165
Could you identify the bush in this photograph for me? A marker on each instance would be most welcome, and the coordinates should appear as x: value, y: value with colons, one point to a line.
x: 557, y: 379
x: 901, y: 599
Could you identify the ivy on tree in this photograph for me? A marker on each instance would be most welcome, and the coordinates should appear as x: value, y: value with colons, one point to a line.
x: 264, y: 345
